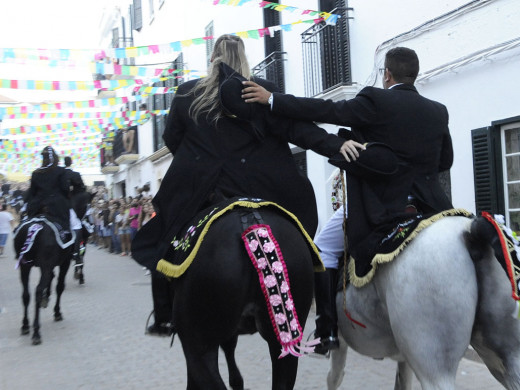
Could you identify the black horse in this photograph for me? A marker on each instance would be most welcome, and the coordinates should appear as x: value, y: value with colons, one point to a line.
x: 222, y: 282
x: 46, y: 254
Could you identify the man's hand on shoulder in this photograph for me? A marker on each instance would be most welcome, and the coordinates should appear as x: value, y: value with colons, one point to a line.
x: 254, y: 93
x: 349, y: 150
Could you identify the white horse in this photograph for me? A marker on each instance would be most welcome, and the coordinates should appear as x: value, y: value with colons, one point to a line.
x: 426, y: 307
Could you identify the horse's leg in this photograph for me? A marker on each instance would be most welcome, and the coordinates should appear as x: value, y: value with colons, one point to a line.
x: 46, y: 292
x: 235, y: 377
x: 403, y: 376
x: 60, y: 287
x: 338, y: 359
x: 496, y: 333
x: 41, y: 290
x: 433, y: 342
x: 284, y: 369
x: 80, y: 263
x: 26, y: 296
x: 202, y: 366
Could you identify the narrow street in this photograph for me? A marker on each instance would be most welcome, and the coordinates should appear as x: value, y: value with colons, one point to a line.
x: 100, y: 344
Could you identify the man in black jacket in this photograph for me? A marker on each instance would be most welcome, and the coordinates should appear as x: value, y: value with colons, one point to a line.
x: 79, y: 199
x: 415, y: 128
x: 48, y: 193
x: 78, y: 195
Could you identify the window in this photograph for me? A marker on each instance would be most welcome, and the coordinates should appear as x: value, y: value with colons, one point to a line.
x: 164, y: 101
x: 511, y: 173
x: 159, y: 121
x: 152, y: 10
x: 138, y: 16
x: 326, y: 53
x: 115, y: 37
x: 496, y: 167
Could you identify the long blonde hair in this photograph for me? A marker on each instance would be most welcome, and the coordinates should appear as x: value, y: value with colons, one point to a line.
x: 231, y: 50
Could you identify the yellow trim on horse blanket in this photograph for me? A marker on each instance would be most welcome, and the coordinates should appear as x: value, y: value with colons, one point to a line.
x: 382, y: 258
x: 175, y: 271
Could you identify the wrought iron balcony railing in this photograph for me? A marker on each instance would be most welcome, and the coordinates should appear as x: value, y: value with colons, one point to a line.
x: 326, y: 55
x: 271, y: 69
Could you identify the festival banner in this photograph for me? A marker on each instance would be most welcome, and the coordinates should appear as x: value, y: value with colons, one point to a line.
x: 56, y: 85
x: 139, y: 51
x: 330, y: 18
x: 99, y: 114
x: 94, y: 103
x: 100, y: 124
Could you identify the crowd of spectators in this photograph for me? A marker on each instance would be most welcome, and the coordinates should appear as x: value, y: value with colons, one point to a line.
x: 117, y: 220
x: 11, y: 194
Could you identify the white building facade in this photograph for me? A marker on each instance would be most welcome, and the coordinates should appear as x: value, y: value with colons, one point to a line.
x: 470, y: 61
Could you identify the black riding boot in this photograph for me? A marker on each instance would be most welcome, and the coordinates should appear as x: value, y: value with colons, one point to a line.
x: 162, y: 293
x: 326, y: 315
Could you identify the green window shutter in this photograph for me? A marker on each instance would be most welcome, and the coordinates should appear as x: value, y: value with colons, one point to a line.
x: 484, y: 170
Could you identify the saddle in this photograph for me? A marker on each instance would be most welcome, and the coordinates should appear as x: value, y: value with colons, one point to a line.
x: 384, y: 245
x: 184, y: 247
x: 64, y: 238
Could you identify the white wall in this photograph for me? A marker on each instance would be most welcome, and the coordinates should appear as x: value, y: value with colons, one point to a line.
x: 475, y: 94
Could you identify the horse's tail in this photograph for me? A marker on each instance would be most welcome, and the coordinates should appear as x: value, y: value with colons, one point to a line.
x: 486, y: 232
x: 267, y: 258
x: 24, y: 238
x: 480, y: 236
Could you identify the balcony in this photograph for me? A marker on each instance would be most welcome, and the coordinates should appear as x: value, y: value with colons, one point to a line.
x: 109, y: 169
x: 326, y: 55
x: 127, y: 159
x: 271, y: 69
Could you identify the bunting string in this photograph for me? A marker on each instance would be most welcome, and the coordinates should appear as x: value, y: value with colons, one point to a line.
x: 137, y: 71
x: 100, y: 124
x: 94, y: 103
x: 75, y: 85
x: 98, y: 114
x: 138, y: 51
x: 327, y: 16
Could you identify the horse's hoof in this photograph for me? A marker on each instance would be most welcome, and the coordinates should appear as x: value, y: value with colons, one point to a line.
x: 81, y: 279
x: 36, y: 340
x: 25, y: 330
x: 58, y: 317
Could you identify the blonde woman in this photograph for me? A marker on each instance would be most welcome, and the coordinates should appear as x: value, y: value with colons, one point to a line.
x: 220, y: 156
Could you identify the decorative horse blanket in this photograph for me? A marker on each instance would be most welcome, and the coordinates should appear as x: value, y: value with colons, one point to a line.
x: 392, y: 243
x: 184, y: 249
x: 265, y: 253
x: 35, y: 225
x: 509, y: 257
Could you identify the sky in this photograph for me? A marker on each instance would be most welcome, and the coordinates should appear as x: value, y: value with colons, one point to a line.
x: 49, y: 24
x: 57, y: 24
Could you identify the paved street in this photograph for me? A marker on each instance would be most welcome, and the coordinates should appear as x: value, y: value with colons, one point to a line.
x: 101, y: 345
